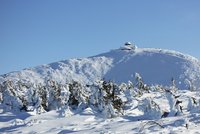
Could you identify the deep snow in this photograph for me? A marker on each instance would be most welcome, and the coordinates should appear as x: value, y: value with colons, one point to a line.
x: 89, y: 121
x: 142, y: 112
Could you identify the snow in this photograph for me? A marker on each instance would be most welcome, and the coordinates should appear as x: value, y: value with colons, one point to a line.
x: 89, y: 121
x: 156, y: 66
x: 167, y: 102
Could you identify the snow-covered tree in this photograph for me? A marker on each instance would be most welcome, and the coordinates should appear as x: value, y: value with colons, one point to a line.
x: 11, y: 99
x: 141, y: 86
x: 150, y: 108
x: 64, y: 108
x: 174, y: 102
x: 78, y: 98
x: 106, y: 99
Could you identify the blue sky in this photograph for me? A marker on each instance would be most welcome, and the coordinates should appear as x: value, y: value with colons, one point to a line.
x: 44, y: 31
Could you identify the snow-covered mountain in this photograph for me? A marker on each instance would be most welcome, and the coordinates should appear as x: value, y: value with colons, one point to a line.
x: 127, y: 90
x: 156, y: 66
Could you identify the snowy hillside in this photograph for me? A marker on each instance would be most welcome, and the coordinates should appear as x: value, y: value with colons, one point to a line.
x: 127, y: 90
x: 156, y: 66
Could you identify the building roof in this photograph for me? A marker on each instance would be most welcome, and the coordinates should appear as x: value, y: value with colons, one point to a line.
x: 127, y: 43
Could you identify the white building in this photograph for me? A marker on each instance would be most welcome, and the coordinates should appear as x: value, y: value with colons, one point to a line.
x: 128, y: 46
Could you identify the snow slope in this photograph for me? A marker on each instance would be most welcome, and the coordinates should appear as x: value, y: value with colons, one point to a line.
x: 156, y: 109
x: 156, y: 66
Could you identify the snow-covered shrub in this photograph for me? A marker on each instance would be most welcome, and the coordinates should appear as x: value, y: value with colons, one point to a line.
x: 193, y: 105
x: 11, y: 96
x: 141, y: 86
x: 150, y: 109
x: 173, y: 100
x: 105, y: 98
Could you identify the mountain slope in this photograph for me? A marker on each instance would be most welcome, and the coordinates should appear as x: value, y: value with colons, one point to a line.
x: 56, y: 98
x: 156, y: 66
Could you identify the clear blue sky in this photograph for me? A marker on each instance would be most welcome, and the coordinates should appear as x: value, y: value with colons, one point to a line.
x: 34, y: 32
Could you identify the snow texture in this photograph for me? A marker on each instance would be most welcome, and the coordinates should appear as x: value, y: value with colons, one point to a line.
x: 156, y: 66
x: 127, y: 90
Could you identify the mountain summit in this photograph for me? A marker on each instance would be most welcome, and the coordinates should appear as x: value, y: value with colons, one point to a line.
x: 86, y: 95
x: 156, y: 66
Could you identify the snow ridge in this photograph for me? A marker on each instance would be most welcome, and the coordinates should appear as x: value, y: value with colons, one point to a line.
x: 157, y: 66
